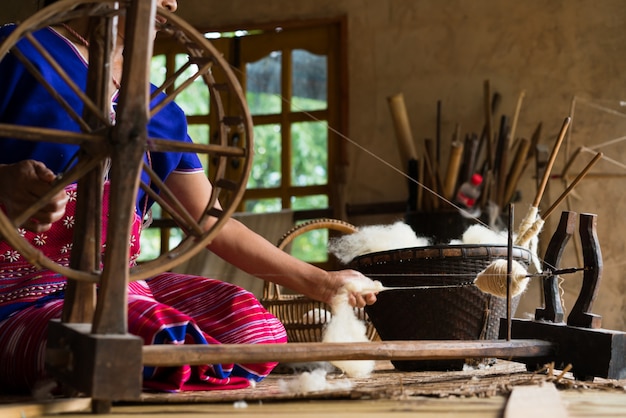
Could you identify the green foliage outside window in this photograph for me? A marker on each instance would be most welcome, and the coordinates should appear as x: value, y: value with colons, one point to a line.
x: 309, y: 162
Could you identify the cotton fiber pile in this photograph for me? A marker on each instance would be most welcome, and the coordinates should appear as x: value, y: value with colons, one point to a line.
x: 374, y: 238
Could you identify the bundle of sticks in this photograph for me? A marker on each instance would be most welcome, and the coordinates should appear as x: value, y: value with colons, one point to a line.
x: 499, y: 156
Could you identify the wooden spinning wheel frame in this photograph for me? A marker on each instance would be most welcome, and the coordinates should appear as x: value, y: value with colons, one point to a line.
x: 125, y: 141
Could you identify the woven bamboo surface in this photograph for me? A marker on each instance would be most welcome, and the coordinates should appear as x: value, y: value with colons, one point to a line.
x: 388, y: 383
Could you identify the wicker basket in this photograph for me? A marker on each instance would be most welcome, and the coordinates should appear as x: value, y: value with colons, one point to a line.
x: 304, y: 318
x: 452, y: 308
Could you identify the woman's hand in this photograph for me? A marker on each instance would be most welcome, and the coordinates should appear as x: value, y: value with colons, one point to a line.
x: 24, y: 183
x: 362, y: 290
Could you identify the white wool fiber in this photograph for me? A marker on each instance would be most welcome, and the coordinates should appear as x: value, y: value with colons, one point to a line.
x: 479, y: 234
x: 493, y: 279
x: 313, y: 381
x: 344, y: 326
x: 374, y: 238
x: 240, y: 405
x: 528, y: 221
x: 364, y: 286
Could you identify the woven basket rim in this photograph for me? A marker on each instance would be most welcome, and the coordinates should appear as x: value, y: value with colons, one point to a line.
x: 452, y: 251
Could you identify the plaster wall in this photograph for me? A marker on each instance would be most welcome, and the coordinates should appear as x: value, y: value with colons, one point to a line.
x: 554, y: 50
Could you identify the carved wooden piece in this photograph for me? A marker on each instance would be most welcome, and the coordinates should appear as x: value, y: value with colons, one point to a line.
x: 592, y: 351
x: 553, y: 309
x: 581, y: 315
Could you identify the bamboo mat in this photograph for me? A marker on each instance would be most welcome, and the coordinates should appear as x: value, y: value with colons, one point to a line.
x: 389, y: 384
x: 386, y: 383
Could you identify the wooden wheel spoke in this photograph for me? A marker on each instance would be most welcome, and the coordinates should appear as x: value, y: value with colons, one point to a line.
x: 58, y: 136
x: 169, y: 81
x: 171, y: 96
x: 170, y: 204
x: 163, y: 145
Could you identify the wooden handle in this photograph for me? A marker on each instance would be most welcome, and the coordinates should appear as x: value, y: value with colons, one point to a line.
x: 555, y: 151
x: 577, y: 180
x: 402, y: 127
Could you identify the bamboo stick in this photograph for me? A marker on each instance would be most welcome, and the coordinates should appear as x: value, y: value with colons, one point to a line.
x: 577, y: 180
x: 518, y: 108
x: 555, y: 151
x: 432, y: 180
x: 488, y: 106
x: 454, y: 166
x: 404, y: 135
x: 516, y: 169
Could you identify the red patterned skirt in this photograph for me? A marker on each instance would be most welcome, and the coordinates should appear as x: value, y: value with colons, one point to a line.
x: 167, y: 309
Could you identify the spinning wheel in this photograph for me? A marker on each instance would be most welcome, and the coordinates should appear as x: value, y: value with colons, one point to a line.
x: 125, y: 141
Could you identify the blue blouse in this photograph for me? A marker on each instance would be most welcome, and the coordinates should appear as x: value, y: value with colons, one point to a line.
x: 24, y: 101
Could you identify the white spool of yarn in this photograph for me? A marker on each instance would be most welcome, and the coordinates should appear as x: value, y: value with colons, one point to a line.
x: 493, y: 279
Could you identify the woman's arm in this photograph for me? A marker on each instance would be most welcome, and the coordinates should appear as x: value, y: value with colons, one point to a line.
x: 253, y: 254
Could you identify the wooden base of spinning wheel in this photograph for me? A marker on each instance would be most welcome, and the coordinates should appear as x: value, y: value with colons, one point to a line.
x: 590, y: 350
x: 105, y: 366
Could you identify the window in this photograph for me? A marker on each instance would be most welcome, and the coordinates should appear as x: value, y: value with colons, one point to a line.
x: 291, y: 80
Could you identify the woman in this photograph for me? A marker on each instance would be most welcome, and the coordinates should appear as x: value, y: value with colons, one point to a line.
x: 169, y: 308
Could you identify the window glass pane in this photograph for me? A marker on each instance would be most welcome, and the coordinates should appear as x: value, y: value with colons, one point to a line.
x: 310, y: 81
x: 263, y: 205
x: 319, y: 201
x: 150, y: 239
x: 150, y: 244
x: 194, y: 99
x: 200, y: 135
x: 263, y: 91
x: 309, y: 158
x: 266, y: 165
x: 157, y: 70
x: 312, y: 246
